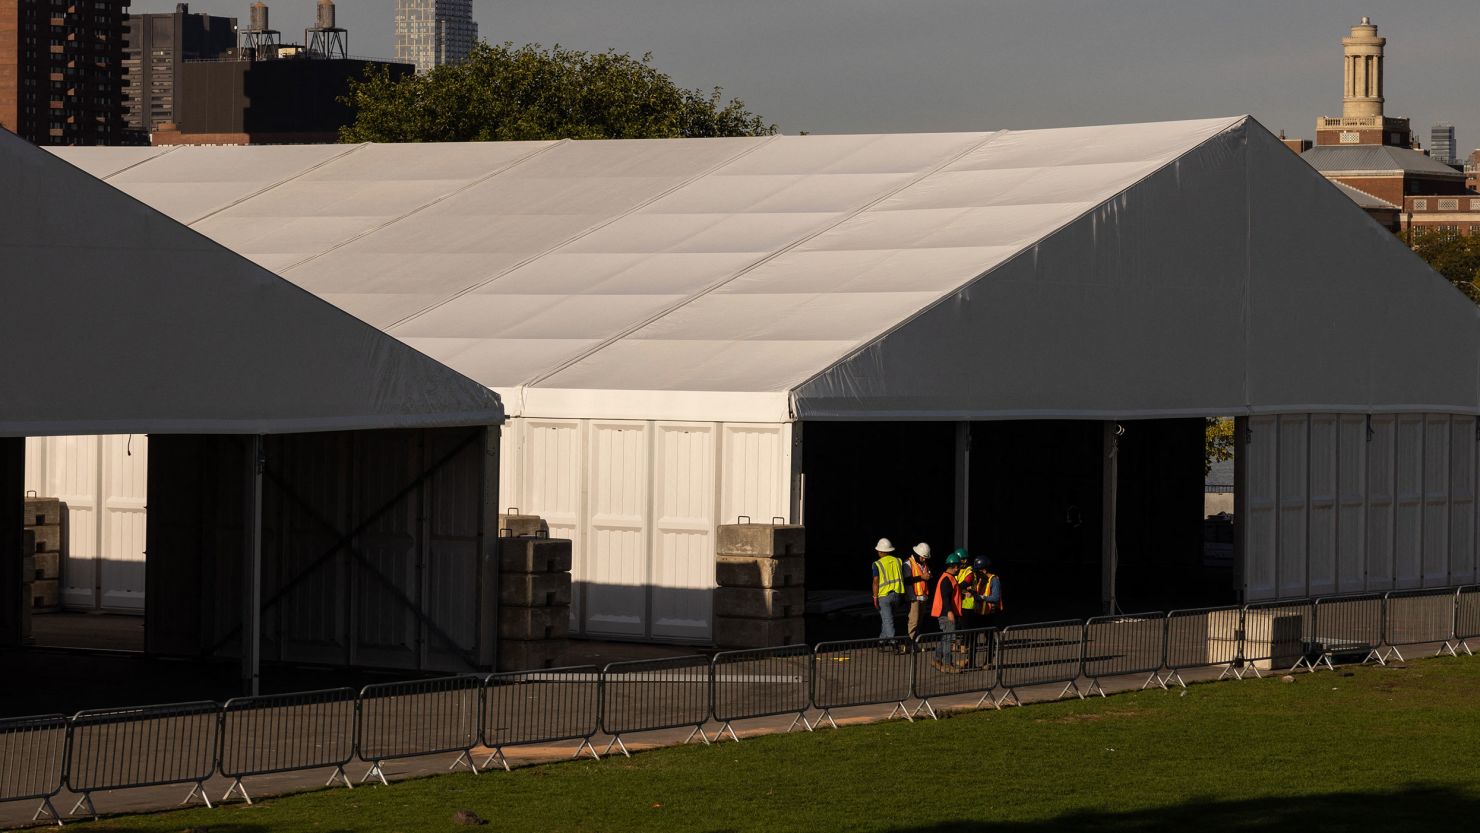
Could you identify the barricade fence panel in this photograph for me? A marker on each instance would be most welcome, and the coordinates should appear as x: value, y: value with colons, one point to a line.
x: 1202, y: 638
x: 1123, y: 645
x: 420, y: 717
x: 1276, y: 635
x: 1043, y: 654
x: 862, y: 672
x: 1419, y: 617
x: 288, y: 732
x: 1347, y: 627
x: 652, y: 695
x: 147, y: 746
x: 33, y: 757
x: 545, y: 706
x: 956, y: 663
x: 762, y: 682
x: 1467, y: 614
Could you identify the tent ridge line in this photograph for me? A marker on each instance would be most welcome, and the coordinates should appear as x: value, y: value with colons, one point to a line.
x: 500, y: 169
x: 144, y: 161
x: 284, y: 181
x: 767, y: 258
x: 901, y: 324
x: 505, y: 272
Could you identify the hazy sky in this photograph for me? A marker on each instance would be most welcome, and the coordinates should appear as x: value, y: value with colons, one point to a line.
x: 850, y: 66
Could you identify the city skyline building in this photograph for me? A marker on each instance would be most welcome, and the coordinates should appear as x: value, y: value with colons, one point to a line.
x: 156, y: 46
x: 431, y: 33
x: 1442, y: 145
x: 61, y: 71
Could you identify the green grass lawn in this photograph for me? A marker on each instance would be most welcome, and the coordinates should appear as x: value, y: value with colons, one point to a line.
x: 1385, y: 749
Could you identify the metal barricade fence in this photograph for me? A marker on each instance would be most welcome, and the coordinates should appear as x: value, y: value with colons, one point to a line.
x: 148, y: 746
x: 652, y: 695
x: 1276, y: 635
x: 547, y: 706
x: 287, y: 733
x: 420, y: 717
x: 1040, y: 654
x: 1346, y: 626
x: 1206, y: 637
x: 952, y: 664
x: 33, y: 761
x: 1123, y: 645
x: 761, y: 682
x: 1419, y: 617
x: 1467, y: 616
x: 862, y: 672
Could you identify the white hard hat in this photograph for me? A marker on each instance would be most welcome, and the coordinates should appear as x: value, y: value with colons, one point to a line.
x: 922, y: 549
x: 884, y: 546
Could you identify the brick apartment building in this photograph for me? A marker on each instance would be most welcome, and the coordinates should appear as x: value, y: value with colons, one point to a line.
x: 61, y: 70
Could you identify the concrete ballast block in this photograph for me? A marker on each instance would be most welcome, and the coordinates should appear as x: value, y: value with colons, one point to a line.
x: 48, y: 538
x: 534, y: 555
x: 734, y: 633
x: 45, y: 595
x: 534, y: 589
x: 43, y: 511
x: 520, y: 526
x: 755, y: 603
x: 516, y: 655
x: 746, y: 571
x: 533, y: 623
x: 761, y: 540
x: 45, y: 565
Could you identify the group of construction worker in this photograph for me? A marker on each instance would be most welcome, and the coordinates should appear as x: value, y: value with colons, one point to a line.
x: 966, y: 594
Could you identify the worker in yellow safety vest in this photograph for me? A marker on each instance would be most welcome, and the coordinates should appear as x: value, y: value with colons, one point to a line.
x: 985, y: 589
x: 888, y: 586
x: 917, y: 576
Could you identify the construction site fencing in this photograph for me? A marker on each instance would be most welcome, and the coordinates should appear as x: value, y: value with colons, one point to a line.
x: 1467, y: 616
x: 1205, y: 637
x: 287, y: 733
x: 1277, y: 635
x: 1046, y: 654
x: 862, y: 672
x: 147, y: 746
x: 546, y: 706
x: 421, y: 717
x: 33, y: 758
x: 1419, y: 617
x: 761, y: 682
x: 655, y: 694
x: 954, y: 664
x: 1346, y: 627
x: 1128, y: 644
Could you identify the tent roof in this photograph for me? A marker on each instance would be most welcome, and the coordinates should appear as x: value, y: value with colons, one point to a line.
x: 764, y: 279
x: 117, y: 319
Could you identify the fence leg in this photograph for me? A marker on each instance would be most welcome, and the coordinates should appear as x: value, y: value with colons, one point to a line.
x: 376, y: 771
x: 1303, y: 661
x: 237, y: 787
x: 1010, y: 695
x: 1446, y: 648
x: 586, y: 744
x: 901, y: 709
x: 1374, y: 654
x: 1154, y: 678
x: 1251, y: 669
x: 85, y: 801
x: 200, y: 790
x: 339, y: 775
x: 826, y: 715
x: 1068, y: 687
x: 1326, y: 661
x: 1175, y: 675
x: 617, y: 742
x: 1095, y: 688
x: 1465, y: 644
x: 1394, y: 652
x: 731, y: 729
x: 464, y: 757
x: 498, y: 755
x: 698, y: 730
x: 47, y: 811
x: 928, y: 709
x: 802, y: 719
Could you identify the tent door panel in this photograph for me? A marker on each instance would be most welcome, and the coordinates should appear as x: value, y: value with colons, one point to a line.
x: 553, y: 485
x: 1294, y: 504
x: 74, y: 476
x: 755, y: 472
x: 1381, y: 501
x: 1408, y: 520
x: 1462, y: 500
x: 683, y: 524
x: 617, y: 570
x: 1323, y: 500
x: 123, y: 497
x: 1436, y: 500
x: 1351, y: 521
x: 1261, y: 544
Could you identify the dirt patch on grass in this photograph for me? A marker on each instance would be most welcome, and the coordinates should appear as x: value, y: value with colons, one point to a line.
x: 1089, y: 717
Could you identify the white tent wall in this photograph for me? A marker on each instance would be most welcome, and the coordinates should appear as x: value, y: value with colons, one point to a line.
x: 103, y: 482
x: 640, y: 500
x: 1343, y: 503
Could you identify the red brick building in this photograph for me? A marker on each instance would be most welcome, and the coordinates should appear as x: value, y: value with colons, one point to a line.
x: 61, y: 70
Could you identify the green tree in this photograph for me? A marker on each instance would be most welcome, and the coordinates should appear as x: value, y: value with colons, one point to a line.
x: 1455, y: 256
x: 504, y: 93
x: 1218, y: 442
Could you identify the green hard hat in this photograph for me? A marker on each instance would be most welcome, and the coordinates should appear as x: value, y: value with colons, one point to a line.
x: 961, y: 555
x: 954, y: 559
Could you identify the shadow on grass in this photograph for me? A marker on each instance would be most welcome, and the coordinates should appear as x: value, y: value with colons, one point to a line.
x: 1417, y: 807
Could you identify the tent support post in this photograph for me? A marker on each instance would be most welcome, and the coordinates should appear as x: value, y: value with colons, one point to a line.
x: 1109, y: 495
x: 963, y: 484
x: 12, y: 556
x: 252, y: 571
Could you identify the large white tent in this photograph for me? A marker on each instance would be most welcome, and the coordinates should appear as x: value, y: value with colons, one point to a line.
x: 661, y: 316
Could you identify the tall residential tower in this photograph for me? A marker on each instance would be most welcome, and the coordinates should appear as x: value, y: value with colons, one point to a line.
x: 430, y: 33
x: 156, y: 47
x: 61, y: 70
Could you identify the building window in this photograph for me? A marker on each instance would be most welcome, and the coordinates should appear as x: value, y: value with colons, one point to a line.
x: 1420, y: 205
x: 1448, y: 205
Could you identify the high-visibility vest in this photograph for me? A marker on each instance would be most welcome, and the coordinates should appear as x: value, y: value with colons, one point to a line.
x: 919, y: 585
x: 985, y: 583
x: 890, y: 578
x: 965, y: 579
x: 942, y: 592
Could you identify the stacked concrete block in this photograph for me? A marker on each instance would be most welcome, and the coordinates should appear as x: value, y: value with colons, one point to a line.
x: 762, y: 598
x: 43, y: 519
x: 534, y: 595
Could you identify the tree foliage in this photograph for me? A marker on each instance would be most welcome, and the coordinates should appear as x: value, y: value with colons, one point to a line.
x: 531, y: 93
x: 1455, y: 256
x: 1218, y: 442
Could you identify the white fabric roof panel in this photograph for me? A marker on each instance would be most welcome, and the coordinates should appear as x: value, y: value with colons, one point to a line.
x: 118, y: 319
x: 1027, y: 273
